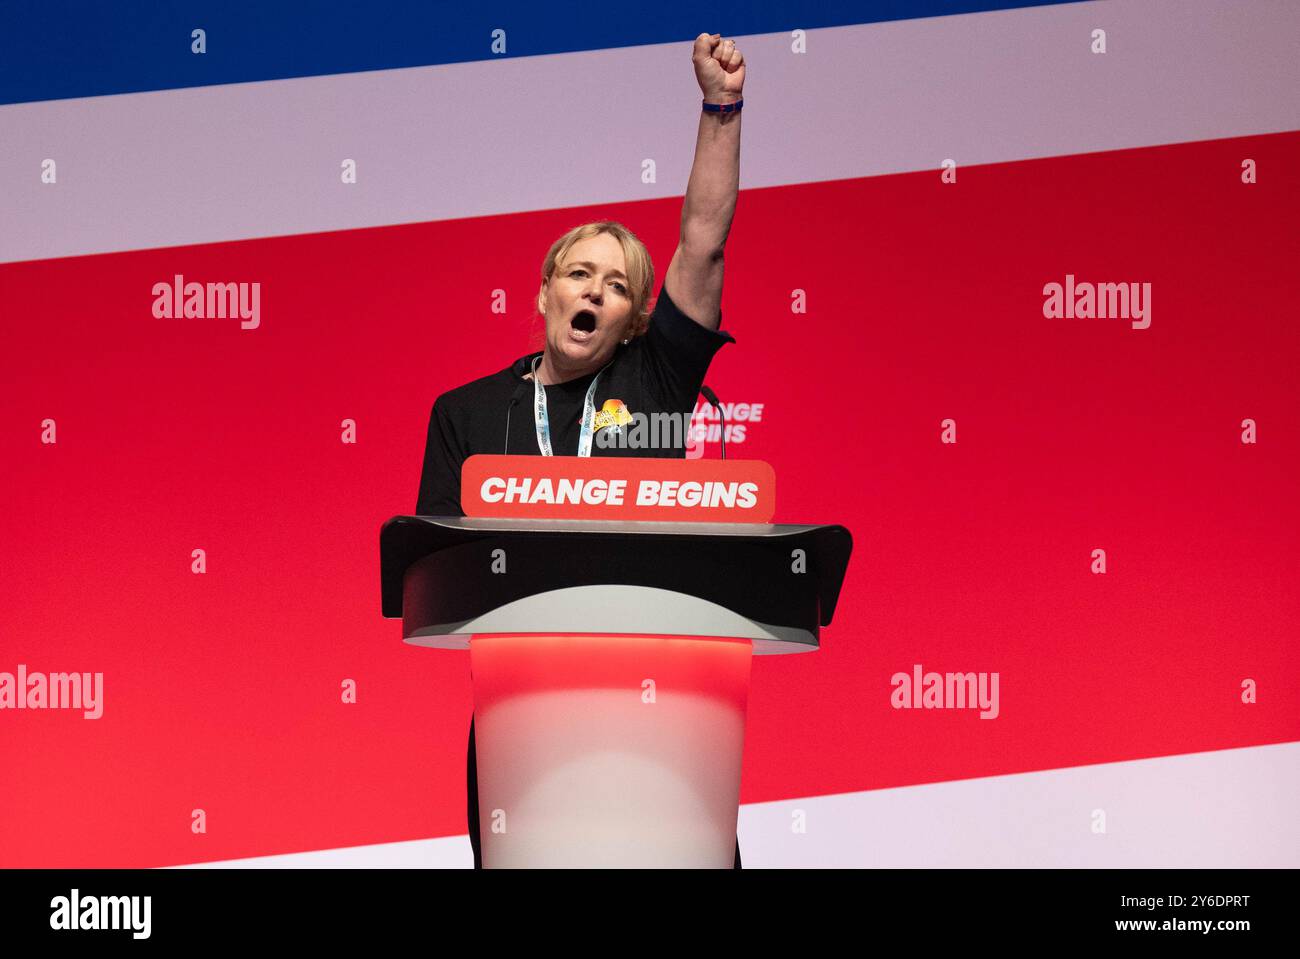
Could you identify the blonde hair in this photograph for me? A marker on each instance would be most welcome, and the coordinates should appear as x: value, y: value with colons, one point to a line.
x: 640, y: 268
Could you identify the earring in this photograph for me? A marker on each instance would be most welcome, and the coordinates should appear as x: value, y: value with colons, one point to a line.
x: 626, y: 342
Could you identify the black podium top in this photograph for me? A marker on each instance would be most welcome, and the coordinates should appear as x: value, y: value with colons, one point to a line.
x: 445, y: 575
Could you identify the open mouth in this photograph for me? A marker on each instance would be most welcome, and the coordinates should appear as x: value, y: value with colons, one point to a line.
x: 584, y: 321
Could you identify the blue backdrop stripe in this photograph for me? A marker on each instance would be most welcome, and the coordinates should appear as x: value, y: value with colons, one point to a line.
x: 52, y: 51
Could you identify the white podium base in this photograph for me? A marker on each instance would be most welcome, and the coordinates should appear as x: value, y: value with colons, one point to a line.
x: 598, y: 751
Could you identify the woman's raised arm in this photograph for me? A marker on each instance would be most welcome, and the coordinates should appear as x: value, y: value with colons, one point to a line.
x: 694, y: 277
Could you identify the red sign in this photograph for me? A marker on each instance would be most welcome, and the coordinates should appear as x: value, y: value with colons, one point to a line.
x: 618, y: 487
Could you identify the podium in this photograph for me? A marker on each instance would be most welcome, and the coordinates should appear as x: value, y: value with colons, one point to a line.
x: 610, y: 663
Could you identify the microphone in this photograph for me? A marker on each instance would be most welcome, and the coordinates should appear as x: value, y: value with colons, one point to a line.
x: 519, y: 392
x: 712, y: 397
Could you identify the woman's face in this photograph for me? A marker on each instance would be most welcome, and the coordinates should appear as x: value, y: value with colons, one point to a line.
x: 588, y: 306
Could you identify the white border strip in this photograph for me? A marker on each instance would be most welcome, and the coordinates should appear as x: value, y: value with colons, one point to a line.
x: 1232, y: 808
x: 245, y: 160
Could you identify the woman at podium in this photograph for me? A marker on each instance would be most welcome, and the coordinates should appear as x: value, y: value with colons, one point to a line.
x: 608, y: 355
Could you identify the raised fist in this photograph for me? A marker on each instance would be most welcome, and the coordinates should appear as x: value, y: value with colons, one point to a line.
x: 719, y: 68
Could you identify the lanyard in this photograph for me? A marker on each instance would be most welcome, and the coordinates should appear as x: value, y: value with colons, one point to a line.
x: 543, y: 422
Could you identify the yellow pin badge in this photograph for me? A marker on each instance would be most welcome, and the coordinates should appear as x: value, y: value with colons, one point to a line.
x: 614, y: 414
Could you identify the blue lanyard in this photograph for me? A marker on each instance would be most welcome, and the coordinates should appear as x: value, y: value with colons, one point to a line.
x: 543, y: 423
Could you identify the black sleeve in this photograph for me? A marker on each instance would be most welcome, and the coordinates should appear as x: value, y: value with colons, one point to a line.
x: 440, y: 478
x: 677, y: 354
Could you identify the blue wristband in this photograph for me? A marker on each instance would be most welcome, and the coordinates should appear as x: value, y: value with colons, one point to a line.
x: 723, y: 107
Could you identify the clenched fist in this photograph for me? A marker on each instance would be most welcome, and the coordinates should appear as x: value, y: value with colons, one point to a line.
x: 719, y: 67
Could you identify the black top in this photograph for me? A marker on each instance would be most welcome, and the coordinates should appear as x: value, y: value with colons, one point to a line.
x: 659, y: 372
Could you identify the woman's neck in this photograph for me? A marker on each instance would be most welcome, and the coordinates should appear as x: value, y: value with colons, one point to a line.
x: 548, y: 376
